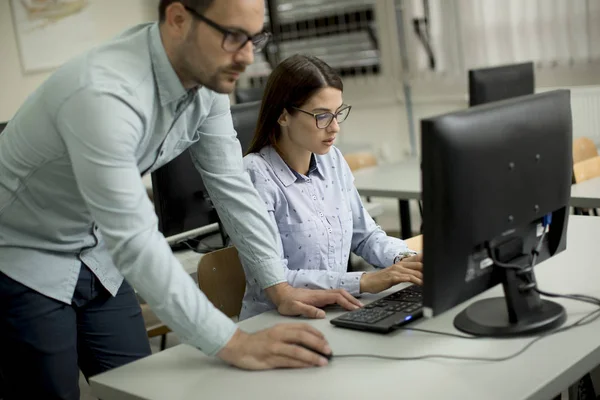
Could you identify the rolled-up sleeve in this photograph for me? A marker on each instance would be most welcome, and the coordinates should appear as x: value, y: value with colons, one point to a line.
x: 102, y: 132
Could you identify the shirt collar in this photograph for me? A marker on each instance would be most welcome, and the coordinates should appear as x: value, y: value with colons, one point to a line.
x: 284, y: 172
x: 169, y: 85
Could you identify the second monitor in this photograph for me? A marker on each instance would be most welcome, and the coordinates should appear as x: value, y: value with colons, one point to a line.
x: 496, y: 189
x: 500, y: 83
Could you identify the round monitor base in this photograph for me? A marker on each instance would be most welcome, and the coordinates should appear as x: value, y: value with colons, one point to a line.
x: 489, y: 317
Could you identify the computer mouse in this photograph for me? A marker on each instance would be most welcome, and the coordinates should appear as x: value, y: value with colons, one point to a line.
x: 327, y: 356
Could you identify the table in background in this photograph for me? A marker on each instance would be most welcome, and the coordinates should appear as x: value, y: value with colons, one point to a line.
x: 586, y: 194
x: 401, y: 181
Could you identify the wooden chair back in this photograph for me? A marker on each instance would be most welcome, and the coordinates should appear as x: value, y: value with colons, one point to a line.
x: 360, y: 160
x: 415, y: 243
x: 584, y: 149
x: 222, y: 279
x: 586, y: 169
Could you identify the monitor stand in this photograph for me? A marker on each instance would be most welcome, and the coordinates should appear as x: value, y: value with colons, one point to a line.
x: 520, y: 312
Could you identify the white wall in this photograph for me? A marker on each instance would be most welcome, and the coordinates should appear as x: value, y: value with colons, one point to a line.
x: 113, y: 16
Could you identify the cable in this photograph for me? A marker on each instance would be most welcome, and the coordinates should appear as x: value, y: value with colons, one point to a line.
x: 580, y: 322
x: 454, y: 335
x: 586, y: 319
x: 535, y: 254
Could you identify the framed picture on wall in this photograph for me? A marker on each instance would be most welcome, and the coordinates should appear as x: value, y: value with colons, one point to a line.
x: 50, y: 32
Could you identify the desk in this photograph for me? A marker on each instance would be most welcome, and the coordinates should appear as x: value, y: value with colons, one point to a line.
x: 544, y: 370
x: 586, y: 194
x: 401, y: 181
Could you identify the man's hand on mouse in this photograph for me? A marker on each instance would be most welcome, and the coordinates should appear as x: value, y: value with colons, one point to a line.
x: 282, y: 346
x: 410, y: 269
x: 307, y: 302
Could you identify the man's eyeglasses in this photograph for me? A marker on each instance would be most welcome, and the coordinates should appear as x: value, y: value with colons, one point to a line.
x: 234, y: 41
x: 325, y: 119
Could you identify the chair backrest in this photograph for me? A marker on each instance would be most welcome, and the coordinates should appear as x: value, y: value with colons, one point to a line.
x: 584, y: 148
x: 586, y: 169
x: 221, y: 278
x: 415, y: 243
x: 360, y: 160
x: 245, y: 117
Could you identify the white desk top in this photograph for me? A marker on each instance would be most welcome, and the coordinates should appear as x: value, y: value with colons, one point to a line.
x: 586, y: 194
x: 400, y: 180
x: 544, y: 370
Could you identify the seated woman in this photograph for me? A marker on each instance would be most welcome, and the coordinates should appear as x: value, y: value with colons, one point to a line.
x: 309, y: 190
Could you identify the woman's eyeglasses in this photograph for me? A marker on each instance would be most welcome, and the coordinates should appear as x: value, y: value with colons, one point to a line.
x: 325, y: 119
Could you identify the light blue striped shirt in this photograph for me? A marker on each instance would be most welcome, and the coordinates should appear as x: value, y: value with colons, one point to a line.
x: 321, y: 219
x: 71, y: 190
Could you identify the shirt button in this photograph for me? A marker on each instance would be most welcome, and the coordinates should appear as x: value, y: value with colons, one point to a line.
x: 314, y: 197
x: 320, y: 214
x: 329, y: 230
x: 162, y: 152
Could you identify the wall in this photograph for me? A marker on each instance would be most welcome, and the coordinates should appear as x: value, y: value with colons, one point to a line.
x: 113, y: 16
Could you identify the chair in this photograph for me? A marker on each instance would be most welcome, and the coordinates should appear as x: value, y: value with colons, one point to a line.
x: 583, y: 149
x: 584, y: 170
x: 222, y: 279
x: 415, y: 243
x: 360, y: 160
x: 2, y: 126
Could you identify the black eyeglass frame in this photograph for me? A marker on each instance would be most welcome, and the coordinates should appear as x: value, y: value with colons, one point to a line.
x: 343, y: 108
x: 259, y: 41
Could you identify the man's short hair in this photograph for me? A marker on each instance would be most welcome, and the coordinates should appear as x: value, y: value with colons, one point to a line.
x: 198, y: 5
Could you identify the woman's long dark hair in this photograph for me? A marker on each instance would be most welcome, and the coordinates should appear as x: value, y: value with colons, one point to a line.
x: 291, y: 84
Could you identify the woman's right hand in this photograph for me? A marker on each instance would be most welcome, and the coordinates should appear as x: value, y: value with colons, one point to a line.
x: 407, y: 270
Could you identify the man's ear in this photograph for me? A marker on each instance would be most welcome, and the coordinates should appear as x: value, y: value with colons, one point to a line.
x: 283, y: 118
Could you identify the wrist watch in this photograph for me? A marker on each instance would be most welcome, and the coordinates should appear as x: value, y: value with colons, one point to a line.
x: 404, y: 255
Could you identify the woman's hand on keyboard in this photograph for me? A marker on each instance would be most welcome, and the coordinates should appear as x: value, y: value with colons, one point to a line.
x: 407, y: 270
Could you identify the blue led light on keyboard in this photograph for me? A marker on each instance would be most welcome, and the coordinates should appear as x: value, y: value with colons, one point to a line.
x: 408, y: 317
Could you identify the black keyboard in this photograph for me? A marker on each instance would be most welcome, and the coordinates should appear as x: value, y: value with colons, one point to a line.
x: 387, y: 313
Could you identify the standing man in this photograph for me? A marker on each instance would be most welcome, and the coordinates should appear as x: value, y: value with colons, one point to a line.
x: 75, y: 219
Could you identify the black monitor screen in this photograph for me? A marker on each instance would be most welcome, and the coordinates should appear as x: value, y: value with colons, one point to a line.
x: 500, y: 83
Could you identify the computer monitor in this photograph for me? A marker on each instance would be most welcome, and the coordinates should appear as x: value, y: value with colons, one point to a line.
x: 500, y: 83
x: 181, y: 201
x: 486, y: 200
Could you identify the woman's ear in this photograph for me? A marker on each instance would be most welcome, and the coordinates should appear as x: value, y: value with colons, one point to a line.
x: 283, y: 118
